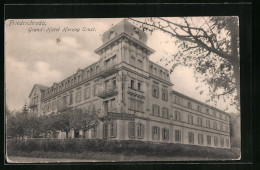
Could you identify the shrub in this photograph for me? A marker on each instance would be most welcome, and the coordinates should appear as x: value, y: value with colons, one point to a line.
x: 129, y: 147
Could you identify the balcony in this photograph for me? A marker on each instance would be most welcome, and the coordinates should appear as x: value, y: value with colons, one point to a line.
x: 107, y: 92
x: 108, y: 69
x: 135, y: 92
x: 32, y: 104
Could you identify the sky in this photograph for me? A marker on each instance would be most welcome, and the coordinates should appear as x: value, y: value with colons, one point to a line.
x: 34, y: 56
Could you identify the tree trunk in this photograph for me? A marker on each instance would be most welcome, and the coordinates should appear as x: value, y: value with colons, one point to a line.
x: 67, y: 134
x: 235, y: 61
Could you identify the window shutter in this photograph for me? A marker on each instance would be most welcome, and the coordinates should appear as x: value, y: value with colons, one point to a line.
x: 115, y: 129
x: 167, y: 133
x: 131, y: 129
x: 142, y: 131
x: 153, y: 133
x: 158, y: 133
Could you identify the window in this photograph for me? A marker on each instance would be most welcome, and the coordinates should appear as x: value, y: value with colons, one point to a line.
x: 113, y: 129
x: 71, y: 98
x: 105, y: 130
x: 131, y: 129
x: 214, y: 125
x: 222, y: 142
x: 113, y: 105
x: 199, y: 120
x: 132, y: 59
x: 190, y: 119
x: 114, y: 83
x: 87, y: 93
x: 165, y: 94
x: 200, y: 139
x: 207, y: 111
x: 140, y: 63
x: 199, y: 108
x: 191, y: 137
x: 78, y: 96
x: 156, y: 110
x: 139, y: 86
x: 189, y: 104
x: 165, y: 134
x: 227, y: 142
x: 132, y: 84
x: 227, y: 129
x: 214, y: 114
x: 220, y: 116
x: 208, y: 123
x: 177, y: 99
x: 209, y: 140
x: 177, y: 135
x: 155, y: 92
x: 215, y: 141
x: 226, y: 118
x: 53, y: 105
x: 97, y: 69
x: 139, y: 106
x: 177, y: 115
x: 156, y: 133
x: 94, y: 133
x: 221, y: 127
x: 155, y: 71
x: 132, y: 104
x: 140, y: 130
x: 165, y: 113
x: 95, y: 90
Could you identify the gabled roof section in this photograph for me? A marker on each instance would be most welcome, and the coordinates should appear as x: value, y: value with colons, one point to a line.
x: 41, y: 87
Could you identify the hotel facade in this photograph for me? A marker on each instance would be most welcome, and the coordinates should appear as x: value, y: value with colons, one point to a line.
x: 135, y: 95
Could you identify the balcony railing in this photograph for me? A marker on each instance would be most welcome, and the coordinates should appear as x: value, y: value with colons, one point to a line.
x: 108, y: 69
x: 107, y: 92
x: 135, y: 91
x: 32, y: 104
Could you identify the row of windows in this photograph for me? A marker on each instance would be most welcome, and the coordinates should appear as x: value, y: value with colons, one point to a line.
x: 133, y: 85
x: 155, y: 93
x: 177, y: 117
x: 76, y: 79
x: 189, y: 104
x: 156, y: 111
x: 165, y: 136
x: 136, y: 105
x: 63, y: 85
x: 159, y: 72
x: 110, y: 84
x: 136, y: 61
x: 208, y: 124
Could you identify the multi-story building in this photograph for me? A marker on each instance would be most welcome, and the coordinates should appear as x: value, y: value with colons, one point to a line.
x: 135, y: 94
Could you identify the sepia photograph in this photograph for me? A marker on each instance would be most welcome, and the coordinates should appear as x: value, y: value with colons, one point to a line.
x: 122, y: 89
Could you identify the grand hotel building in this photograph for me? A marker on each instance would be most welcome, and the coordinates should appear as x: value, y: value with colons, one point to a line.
x: 135, y: 94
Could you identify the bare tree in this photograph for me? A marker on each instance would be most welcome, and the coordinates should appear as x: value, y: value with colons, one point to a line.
x: 208, y: 44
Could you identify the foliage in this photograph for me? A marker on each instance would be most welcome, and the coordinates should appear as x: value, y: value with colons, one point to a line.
x: 207, y: 44
x: 127, y: 147
x: 34, y: 126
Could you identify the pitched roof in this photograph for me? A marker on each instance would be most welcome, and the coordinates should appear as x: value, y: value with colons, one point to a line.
x: 41, y: 87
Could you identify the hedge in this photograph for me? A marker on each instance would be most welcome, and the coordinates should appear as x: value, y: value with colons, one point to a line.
x: 127, y: 147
